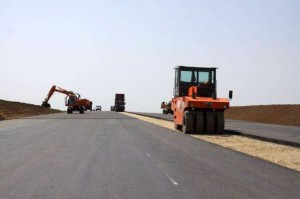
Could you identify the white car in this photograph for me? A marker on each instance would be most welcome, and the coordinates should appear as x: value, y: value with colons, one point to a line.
x: 98, y: 108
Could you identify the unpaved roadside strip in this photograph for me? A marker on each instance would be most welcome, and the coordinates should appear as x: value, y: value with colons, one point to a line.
x: 286, y: 156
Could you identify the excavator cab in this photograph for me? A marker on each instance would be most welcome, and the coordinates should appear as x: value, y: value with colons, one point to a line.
x: 202, y: 78
x: 70, y: 100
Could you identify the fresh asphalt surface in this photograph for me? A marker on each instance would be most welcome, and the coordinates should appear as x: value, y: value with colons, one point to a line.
x: 278, y: 133
x: 110, y: 155
x: 288, y: 134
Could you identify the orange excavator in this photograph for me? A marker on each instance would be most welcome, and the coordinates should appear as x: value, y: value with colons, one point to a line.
x: 72, y: 100
x: 195, y: 104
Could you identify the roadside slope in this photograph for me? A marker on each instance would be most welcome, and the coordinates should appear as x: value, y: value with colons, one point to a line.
x: 272, y: 114
x: 14, y: 110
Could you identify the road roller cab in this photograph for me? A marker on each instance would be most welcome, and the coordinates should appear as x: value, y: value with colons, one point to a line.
x: 195, y: 104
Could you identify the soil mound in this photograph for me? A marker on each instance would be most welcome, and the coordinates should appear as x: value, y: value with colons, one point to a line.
x: 13, y: 110
x: 273, y: 114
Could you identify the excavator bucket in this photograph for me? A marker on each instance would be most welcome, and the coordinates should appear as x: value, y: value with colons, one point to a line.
x: 45, y: 105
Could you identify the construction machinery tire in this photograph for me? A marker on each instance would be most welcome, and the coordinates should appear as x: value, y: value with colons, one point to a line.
x: 199, y: 127
x: 210, y: 122
x: 220, y: 122
x: 178, y: 127
x: 69, y: 111
x: 81, y: 110
x: 188, y: 122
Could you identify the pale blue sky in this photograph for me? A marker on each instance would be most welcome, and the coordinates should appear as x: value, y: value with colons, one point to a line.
x: 98, y: 48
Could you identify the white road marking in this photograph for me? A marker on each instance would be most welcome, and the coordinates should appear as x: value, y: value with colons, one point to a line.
x: 172, y: 180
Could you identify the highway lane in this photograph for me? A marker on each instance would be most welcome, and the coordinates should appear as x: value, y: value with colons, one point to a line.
x: 278, y: 133
x: 288, y: 134
x: 110, y: 155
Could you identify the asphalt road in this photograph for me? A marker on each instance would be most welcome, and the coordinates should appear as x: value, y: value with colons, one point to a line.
x: 277, y: 133
x: 288, y: 134
x: 110, y: 155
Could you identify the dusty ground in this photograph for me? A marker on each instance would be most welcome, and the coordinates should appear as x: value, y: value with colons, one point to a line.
x: 273, y: 114
x: 14, y: 110
x: 279, y: 154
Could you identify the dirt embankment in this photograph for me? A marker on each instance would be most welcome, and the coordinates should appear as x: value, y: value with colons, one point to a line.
x: 13, y: 110
x: 273, y: 114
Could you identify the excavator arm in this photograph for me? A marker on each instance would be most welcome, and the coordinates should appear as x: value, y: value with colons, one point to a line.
x: 51, y: 92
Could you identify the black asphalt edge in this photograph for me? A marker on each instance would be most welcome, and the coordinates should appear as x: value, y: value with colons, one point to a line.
x: 234, y: 132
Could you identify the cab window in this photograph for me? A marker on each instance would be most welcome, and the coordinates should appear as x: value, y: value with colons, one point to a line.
x: 203, y: 77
